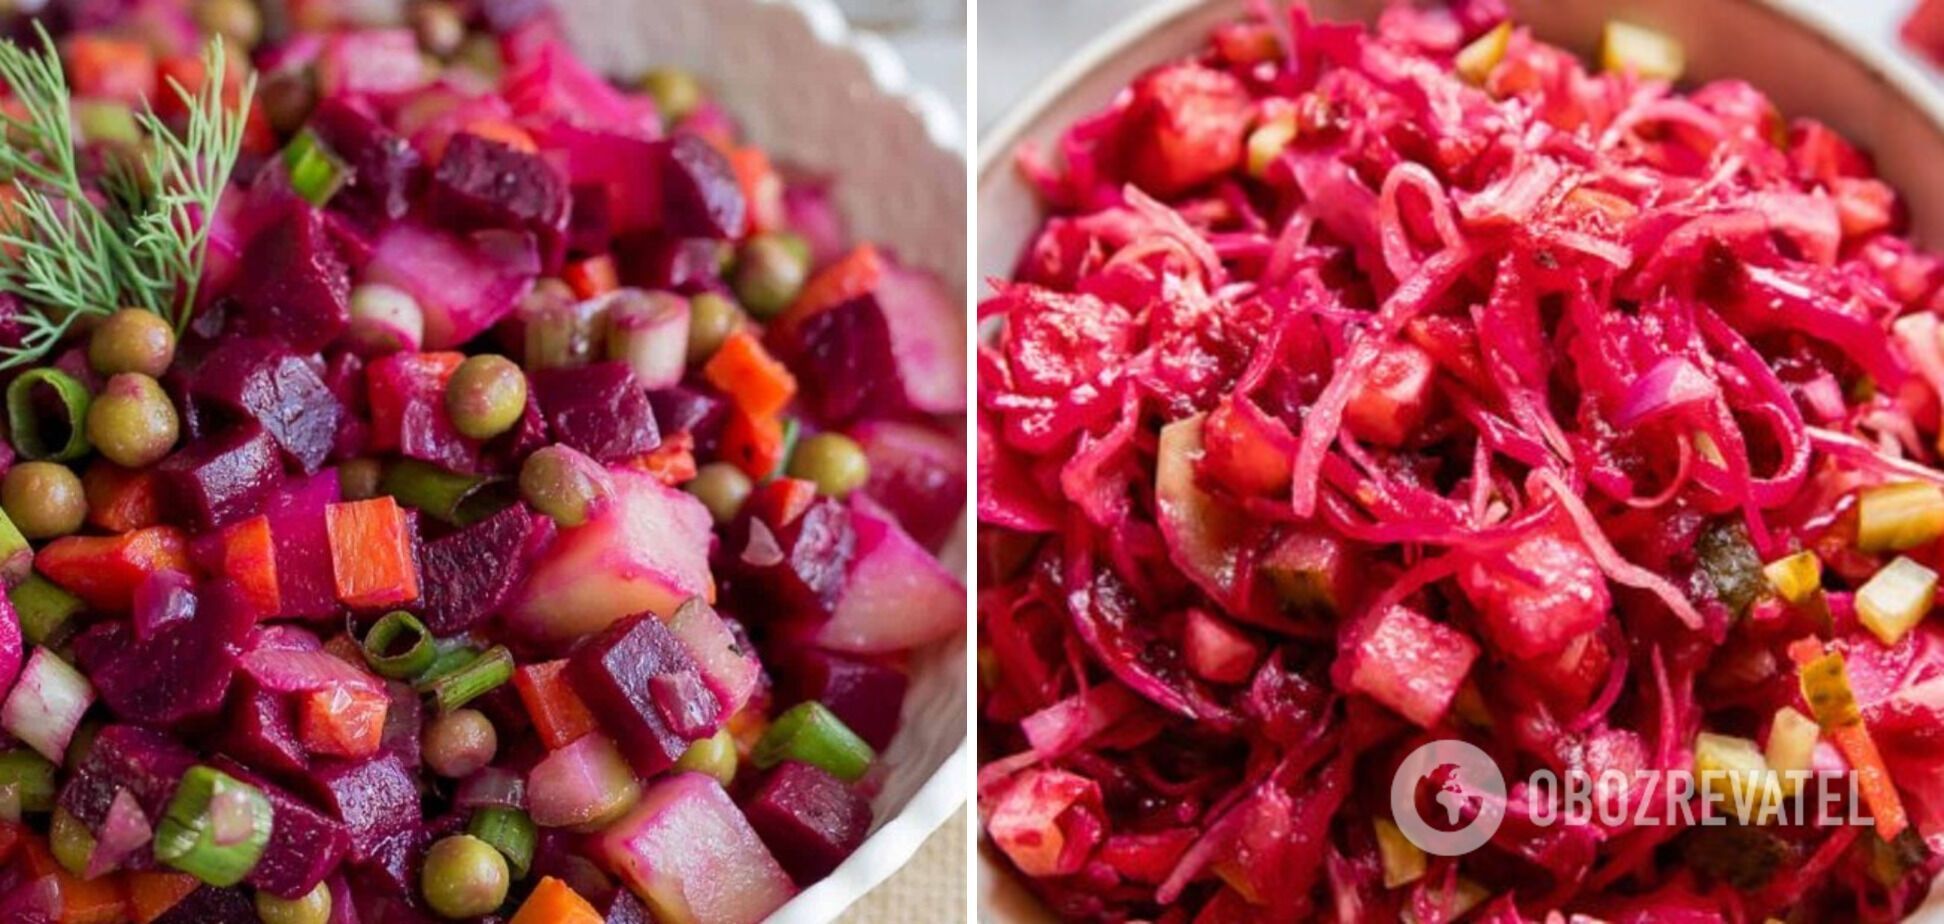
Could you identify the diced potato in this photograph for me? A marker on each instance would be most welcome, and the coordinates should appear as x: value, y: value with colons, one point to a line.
x: 1403, y: 862
x: 1891, y: 603
x: 1267, y: 143
x: 1796, y: 577
x: 1791, y: 746
x: 1735, y: 772
x: 1898, y: 517
x: 1627, y: 47
x: 1476, y: 60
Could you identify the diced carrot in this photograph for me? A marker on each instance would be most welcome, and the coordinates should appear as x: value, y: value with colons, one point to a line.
x: 249, y: 557
x: 398, y: 384
x: 592, y: 276
x: 151, y: 895
x: 504, y: 132
x: 747, y: 727
x: 371, y: 553
x: 121, y: 499
x: 105, y: 570
x: 102, y: 900
x: 343, y: 721
x: 103, y: 67
x: 780, y: 502
x: 1872, y: 778
x: 673, y: 462
x: 753, y: 444
x: 761, y: 187
x: 559, y: 715
x: 854, y: 275
x: 554, y: 902
x: 753, y: 379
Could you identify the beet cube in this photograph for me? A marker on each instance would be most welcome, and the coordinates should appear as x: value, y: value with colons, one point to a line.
x: 484, y: 183
x: 809, y: 819
x: 262, y: 380
x: 292, y: 283
x: 640, y: 680
x: 384, y: 166
x: 305, y: 582
x: 222, y: 478
x: 469, y: 573
x: 377, y: 799
x: 211, y: 905
x: 305, y: 845
x: 600, y: 410
x: 817, y: 551
x: 261, y: 730
x: 147, y: 763
x: 700, y: 194
x: 866, y: 695
x: 184, y: 671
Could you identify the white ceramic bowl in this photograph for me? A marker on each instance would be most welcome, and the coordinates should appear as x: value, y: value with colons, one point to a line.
x: 839, y: 103
x: 1793, y: 50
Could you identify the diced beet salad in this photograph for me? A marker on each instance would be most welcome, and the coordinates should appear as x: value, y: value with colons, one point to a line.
x: 462, y: 488
x: 1371, y: 386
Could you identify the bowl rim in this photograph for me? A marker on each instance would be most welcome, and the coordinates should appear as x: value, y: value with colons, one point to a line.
x: 1891, y: 65
x: 889, y: 848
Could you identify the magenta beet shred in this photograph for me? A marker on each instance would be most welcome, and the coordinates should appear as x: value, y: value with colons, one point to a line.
x: 382, y: 467
x: 1371, y: 386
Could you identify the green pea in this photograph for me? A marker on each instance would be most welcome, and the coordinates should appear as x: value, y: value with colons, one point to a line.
x: 464, y: 877
x: 770, y: 271
x: 457, y: 744
x: 832, y: 460
x: 561, y: 483
x: 486, y: 396
x: 712, y: 318
x: 132, y: 340
x: 132, y: 421
x: 721, y: 487
x: 44, y: 500
x: 313, y: 908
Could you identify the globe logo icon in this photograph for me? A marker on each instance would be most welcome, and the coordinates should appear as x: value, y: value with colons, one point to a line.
x: 1470, y: 792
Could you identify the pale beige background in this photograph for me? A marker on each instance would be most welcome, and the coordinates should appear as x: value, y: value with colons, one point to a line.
x: 930, y: 888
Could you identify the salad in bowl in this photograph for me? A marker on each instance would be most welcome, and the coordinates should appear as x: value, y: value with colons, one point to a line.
x: 440, y: 483
x: 1372, y: 391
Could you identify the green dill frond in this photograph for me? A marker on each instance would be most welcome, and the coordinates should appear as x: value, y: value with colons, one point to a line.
x: 137, y: 236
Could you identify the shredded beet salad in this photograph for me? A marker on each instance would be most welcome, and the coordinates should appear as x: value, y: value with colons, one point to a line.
x: 1369, y: 386
x: 440, y: 483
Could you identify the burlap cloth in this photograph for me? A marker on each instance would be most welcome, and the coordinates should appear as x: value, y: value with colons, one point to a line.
x: 931, y: 888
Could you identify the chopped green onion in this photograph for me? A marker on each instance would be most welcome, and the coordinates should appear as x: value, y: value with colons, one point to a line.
x: 510, y: 832
x: 1795, y: 577
x: 30, y: 776
x: 451, y: 497
x: 399, y: 632
x: 811, y: 734
x: 46, y: 611
x: 451, y: 656
x: 188, y: 837
x: 481, y: 675
x: 1893, y: 600
x: 315, y: 172
x: 1826, y: 686
x: 560, y: 331
x: 38, y: 391
x: 792, y: 431
x: 1900, y: 516
x: 16, y: 555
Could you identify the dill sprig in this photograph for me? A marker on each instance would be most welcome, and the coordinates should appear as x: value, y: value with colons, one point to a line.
x: 135, y: 237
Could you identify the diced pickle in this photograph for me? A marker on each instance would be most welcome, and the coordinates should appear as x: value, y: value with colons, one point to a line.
x: 1476, y: 60
x: 1892, y: 601
x: 1825, y: 684
x: 1898, y: 517
x: 1732, y: 567
x: 1643, y: 51
x: 1403, y: 862
x: 1740, y: 856
x: 1795, y: 577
